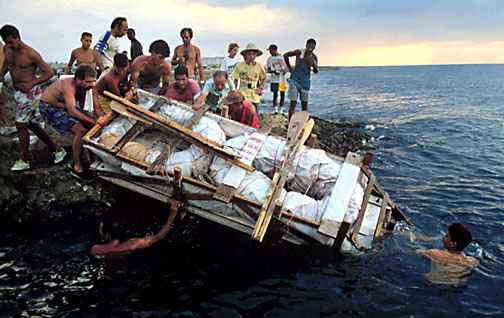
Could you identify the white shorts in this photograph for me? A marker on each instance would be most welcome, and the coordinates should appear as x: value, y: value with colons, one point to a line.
x: 294, y: 91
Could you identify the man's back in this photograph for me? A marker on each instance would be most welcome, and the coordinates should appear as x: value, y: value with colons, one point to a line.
x: 136, y: 49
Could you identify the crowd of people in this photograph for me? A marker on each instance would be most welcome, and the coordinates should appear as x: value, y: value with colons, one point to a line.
x: 238, y: 84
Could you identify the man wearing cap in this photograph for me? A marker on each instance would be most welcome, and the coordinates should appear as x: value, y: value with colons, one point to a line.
x: 250, y: 75
x: 241, y: 110
x: 277, y: 68
x: 299, y: 83
x: 214, y: 91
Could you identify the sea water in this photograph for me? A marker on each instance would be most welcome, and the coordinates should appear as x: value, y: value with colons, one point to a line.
x: 438, y: 148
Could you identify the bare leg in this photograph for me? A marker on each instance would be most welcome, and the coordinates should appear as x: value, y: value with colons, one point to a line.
x: 78, y: 131
x: 292, y: 108
x: 24, y: 141
x: 44, y: 136
x: 304, y: 106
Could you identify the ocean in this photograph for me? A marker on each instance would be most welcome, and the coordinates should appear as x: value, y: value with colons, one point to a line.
x: 439, y: 147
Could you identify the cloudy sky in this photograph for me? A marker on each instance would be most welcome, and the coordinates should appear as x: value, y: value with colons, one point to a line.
x: 349, y: 32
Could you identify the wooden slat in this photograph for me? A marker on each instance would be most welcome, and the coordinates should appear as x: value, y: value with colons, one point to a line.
x: 340, y: 196
x: 381, y: 219
x: 96, y: 128
x: 300, y: 131
x: 364, y: 205
x: 173, y: 127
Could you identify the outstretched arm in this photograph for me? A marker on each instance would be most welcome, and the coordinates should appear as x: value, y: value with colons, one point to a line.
x: 71, y: 106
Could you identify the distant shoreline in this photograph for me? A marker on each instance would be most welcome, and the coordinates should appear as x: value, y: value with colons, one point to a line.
x: 326, y: 67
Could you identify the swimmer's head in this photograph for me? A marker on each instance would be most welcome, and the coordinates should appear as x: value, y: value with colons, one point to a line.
x: 457, y: 238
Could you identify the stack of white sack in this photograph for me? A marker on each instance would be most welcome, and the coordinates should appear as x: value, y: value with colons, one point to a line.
x: 254, y: 186
x: 314, y: 172
x: 308, y: 208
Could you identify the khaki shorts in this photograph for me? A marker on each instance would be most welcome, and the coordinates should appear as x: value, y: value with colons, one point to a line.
x: 295, y: 91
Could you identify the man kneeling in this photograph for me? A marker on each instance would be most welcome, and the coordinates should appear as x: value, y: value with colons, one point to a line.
x: 61, y: 103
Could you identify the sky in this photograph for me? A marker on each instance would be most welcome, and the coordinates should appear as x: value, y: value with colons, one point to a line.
x: 348, y: 32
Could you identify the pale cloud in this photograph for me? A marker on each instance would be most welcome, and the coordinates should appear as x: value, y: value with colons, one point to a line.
x: 421, y: 53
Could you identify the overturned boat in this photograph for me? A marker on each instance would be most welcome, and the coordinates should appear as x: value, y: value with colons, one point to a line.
x: 240, y: 177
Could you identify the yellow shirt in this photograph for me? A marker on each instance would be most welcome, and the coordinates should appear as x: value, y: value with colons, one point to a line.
x: 249, y: 76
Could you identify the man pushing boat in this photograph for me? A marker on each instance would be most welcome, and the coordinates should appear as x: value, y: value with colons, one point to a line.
x: 147, y: 71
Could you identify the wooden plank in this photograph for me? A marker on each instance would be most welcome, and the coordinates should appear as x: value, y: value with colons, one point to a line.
x: 300, y: 130
x: 381, y: 218
x: 159, y: 163
x: 96, y: 128
x: 363, y: 209
x: 172, y: 127
x: 121, y: 110
x: 340, y: 196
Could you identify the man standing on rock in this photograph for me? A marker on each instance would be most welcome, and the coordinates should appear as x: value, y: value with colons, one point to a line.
x: 22, y: 61
x: 277, y: 68
x: 189, y: 55
x: 147, y: 71
x: 108, y: 45
x: 299, y: 83
x: 85, y: 55
x: 61, y: 106
x: 136, y: 48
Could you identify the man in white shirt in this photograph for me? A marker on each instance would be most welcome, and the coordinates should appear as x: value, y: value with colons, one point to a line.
x: 214, y: 91
x: 108, y: 45
x: 229, y: 62
x: 277, y: 68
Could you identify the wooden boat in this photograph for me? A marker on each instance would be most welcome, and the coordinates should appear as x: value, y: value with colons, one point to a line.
x: 347, y: 211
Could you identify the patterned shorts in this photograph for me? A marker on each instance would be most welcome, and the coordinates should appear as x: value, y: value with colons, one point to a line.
x: 57, y: 117
x: 26, y: 109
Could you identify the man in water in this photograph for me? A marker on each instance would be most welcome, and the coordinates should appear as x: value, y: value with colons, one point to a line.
x: 299, y: 83
x: 249, y: 76
x: 136, y: 48
x: 241, y: 110
x: 189, y: 55
x: 22, y: 61
x: 214, y: 91
x: 184, y: 89
x: 229, y: 62
x: 85, y: 55
x: 111, y: 81
x: 277, y: 68
x: 61, y: 106
x: 451, y: 266
x: 147, y: 71
x: 108, y: 45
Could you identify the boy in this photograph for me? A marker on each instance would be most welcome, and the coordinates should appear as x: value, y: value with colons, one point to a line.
x: 84, y: 55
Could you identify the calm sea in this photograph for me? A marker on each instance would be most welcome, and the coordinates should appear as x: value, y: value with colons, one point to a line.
x: 439, y: 149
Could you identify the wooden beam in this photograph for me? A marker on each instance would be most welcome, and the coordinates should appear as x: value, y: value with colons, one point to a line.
x: 381, y: 218
x: 364, y: 205
x: 172, y: 127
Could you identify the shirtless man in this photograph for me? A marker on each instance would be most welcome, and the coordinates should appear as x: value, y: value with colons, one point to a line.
x: 111, y: 81
x: 189, y: 55
x: 22, y: 61
x: 306, y: 61
x: 148, y: 70
x: 60, y: 106
x: 85, y: 55
x: 451, y: 266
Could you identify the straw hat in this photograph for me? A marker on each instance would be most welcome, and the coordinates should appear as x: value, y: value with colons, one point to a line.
x: 234, y: 97
x: 251, y: 47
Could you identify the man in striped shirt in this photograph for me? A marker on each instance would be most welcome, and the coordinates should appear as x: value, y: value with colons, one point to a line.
x: 108, y: 45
